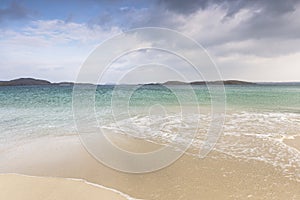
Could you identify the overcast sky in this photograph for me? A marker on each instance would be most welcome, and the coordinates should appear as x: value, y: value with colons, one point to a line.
x: 257, y: 40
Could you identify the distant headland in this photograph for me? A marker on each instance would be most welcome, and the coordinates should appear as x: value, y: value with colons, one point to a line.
x: 40, y: 82
x: 30, y: 81
x: 33, y: 82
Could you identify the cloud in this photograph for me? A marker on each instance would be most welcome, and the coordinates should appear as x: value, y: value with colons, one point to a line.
x: 48, y: 47
x: 260, y: 69
x: 148, y: 66
x: 243, y: 33
x: 244, y: 37
x: 232, y: 6
x: 14, y: 11
x: 212, y: 22
x: 56, y: 32
x: 267, y: 48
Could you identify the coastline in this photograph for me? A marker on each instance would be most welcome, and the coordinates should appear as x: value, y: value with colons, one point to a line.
x: 19, y: 186
x: 150, y: 100
x: 217, y: 176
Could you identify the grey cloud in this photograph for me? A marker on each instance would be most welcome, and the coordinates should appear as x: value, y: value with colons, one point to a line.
x: 136, y: 17
x: 184, y: 6
x: 274, y: 27
x: 270, y: 17
x: 14, y: 11
x: 104, y: 19
x: 232, y: 6
x: 271, y: 25
x: 271, y: 22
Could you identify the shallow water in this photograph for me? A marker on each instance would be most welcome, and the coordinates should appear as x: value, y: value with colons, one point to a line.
x: 258, y: 118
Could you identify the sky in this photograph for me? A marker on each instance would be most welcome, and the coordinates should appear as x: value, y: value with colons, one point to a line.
x: 257, y: 40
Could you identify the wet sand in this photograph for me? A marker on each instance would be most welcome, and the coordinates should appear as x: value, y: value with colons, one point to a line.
x: 217, y: 176
x: 295, y: 143
x: 15, y: 187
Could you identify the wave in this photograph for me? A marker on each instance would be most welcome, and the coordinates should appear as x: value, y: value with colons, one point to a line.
x: 246, y: 135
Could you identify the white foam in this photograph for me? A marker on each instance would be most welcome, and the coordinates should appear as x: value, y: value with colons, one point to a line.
x: 247, y: 135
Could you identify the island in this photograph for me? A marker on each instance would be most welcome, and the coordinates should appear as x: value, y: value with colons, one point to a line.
x: 36, y: 82
x: 32, y: 82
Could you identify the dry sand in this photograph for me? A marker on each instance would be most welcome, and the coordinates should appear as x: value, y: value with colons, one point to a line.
x: 17, y: 187
x: 215, y: 177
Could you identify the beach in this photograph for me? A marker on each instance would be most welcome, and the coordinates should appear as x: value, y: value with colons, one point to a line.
x: 15, y: 187
x: 215, y: 177
x: 256, y: 156
x: 294, y: 142
x: 150, y: 100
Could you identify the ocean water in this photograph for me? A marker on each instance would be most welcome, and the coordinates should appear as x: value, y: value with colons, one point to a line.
x: 258, y: 117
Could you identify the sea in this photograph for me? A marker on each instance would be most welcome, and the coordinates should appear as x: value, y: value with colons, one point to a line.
x: 257, y: 118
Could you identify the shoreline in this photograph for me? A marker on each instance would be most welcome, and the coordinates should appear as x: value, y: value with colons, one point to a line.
x: 214, y: 177
x: 64, y: 188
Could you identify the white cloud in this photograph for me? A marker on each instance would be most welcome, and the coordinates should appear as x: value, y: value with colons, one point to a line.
x: 241, y: 55
x: 48, y: 49
x: 260, y: 69
x: 54, y: 49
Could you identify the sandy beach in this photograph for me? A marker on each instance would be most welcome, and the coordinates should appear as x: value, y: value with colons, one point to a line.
x: 295, y: 142
x: 15, y: 187
x: 150, y: 100
x: 214, y: 177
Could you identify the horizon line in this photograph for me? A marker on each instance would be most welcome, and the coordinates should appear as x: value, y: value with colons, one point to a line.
x: 184, y: 82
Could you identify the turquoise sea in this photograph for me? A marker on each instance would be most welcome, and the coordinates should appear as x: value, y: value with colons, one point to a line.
x: 258, y: 117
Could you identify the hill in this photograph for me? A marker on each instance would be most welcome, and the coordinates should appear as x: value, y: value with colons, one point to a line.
x: 24, y: 81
